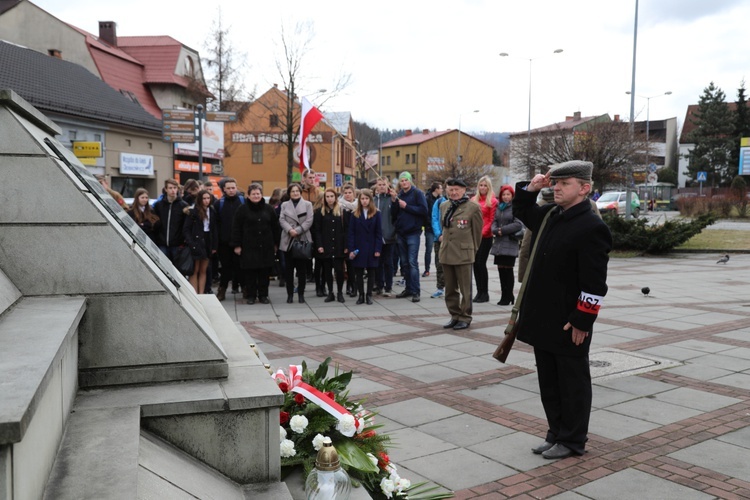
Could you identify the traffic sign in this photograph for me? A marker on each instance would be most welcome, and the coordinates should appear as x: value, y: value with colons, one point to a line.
x: 652, y: 178
x: 702, y: 177
x: 178, y: 137
x: 221, y: 116
x: 178, y: 115
x: 175, y: 126
x: 338, y: 180
x: 652, y: 167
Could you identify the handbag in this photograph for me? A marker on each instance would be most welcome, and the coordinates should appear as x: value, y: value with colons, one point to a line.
x: 502, y: 351
x: 183, y: 260
x: 301, y: 250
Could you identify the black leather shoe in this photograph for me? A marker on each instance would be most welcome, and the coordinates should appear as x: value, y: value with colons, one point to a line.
x: 450, y: 324
x: 403, y: 294
x: 301, y: 298
x: 461, y: 325
x: 330, y: 298
x: 557, y: 452
x: 482, y: 297
x: 542, y: 448
x: 264, y: 300
x: 361, y: 300
x: 340, y: 297
x: 290, y: 299
x: 415, y: 298
x: 368, y: 300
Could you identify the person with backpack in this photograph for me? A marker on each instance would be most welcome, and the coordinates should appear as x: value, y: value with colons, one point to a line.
x: 226, y: 208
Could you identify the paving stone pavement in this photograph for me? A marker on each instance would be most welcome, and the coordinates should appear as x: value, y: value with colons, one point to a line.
x: 680, y: 430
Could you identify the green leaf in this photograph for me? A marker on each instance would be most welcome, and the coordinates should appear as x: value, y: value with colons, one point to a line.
x: 350, y: 454
x: 322, y: 370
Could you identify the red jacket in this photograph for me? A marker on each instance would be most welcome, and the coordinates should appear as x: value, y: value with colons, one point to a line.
x: 488, y: 215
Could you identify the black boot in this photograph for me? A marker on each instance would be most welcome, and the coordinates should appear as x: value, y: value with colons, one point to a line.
x: 290, y: 298
x: 301, y: 296
x: 361, y: 299
x: 506, y: 285
x: 340, y: 297
x: 330, y: 298
x: 368, y: 299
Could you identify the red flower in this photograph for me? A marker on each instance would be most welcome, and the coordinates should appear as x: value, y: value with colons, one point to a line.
x: 284, y: 387
x: 331, y: 395
x: 299, y: 399
x: 383, y: 460
x: 366, y: 435
x: 283, y: 417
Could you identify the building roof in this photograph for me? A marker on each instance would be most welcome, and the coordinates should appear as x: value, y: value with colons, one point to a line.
x: 52, y: 84
x: 570, y: 123
x: 688, y: 126
x: 8, y: 4
x: 160, y: 56
x: 416, y: 138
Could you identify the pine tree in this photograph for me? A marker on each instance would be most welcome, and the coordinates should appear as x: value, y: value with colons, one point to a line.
x: 713, y: 137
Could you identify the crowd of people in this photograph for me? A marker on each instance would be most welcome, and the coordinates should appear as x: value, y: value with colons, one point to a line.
x: 359, y: 239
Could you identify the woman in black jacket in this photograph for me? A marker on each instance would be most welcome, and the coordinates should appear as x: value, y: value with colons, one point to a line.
x: 201, y: 236
x: 330, y: 236
x: 143, y: 215
x: 255, y: 238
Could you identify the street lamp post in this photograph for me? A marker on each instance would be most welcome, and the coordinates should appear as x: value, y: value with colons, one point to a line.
x: 648, y: 117
x: 458, y: 150
x: 528, y: 129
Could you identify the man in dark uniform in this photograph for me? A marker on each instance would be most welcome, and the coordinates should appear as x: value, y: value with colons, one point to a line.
x: 461, y: 222
x: 566, y: 288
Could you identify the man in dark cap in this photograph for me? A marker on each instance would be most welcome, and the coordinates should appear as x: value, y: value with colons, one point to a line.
x: 565, y: 289
x: 461, y: 224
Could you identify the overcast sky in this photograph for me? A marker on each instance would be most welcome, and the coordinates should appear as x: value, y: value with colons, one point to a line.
x: 427, y: 63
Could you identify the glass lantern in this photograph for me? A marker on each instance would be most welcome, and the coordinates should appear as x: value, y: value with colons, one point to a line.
x: 328, y: 481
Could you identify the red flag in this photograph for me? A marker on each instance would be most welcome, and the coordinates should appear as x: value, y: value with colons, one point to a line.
x: 310, y: 116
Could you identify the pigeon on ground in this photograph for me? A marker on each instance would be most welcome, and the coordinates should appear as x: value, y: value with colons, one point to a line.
x: 645, y: 290
x: 723, y: 260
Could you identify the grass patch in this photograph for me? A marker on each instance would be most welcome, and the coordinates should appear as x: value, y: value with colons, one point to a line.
x: 718, y: 239
x: 624, y: 254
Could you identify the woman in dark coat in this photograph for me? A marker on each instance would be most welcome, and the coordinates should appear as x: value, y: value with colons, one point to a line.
x: 255, y: 238
x: 505, y: 246
x: 143, y: 215
x: 330, y: 236
x: 202, y: 237
x: 365, y: 242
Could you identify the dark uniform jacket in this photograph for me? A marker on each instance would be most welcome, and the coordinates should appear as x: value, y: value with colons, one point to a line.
x: 256, y: 229
x: 568, y: 279
x: 462, y: 238
x: 410, y: 219
x: 195, y: 237
x: 330, y: 234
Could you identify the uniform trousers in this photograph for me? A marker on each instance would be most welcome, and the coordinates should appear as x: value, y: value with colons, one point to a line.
x: 565, y: 387
x: 458, y: 291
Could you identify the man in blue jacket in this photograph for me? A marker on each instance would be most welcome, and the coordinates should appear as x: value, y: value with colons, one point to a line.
x: 409, y: 211
x: 437, y: 230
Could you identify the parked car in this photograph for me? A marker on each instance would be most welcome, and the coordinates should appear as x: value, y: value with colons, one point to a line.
x: 614, y: 202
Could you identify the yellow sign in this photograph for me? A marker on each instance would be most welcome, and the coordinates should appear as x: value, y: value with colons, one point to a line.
x: 87, y: 161
x: 87, y: 149
x: 745, y: 142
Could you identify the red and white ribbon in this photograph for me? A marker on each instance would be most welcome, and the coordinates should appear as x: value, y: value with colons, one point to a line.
x: 319, y: 398
x: 294, y: 378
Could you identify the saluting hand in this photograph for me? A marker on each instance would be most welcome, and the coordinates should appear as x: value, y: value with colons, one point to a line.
x: 538, y: 182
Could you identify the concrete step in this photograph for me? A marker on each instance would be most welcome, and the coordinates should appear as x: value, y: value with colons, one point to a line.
x: 38, y: 382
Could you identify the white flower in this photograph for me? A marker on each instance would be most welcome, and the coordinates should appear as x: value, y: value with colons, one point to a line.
x: 402, y: 484
x: 287, y: 449
x: 373, y: 459
x: 347, y: 425
x: 298, y: 423
x: 387, y: 487
x: 282, y: 433
x: 318, y: 442
x: 361, y: 426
